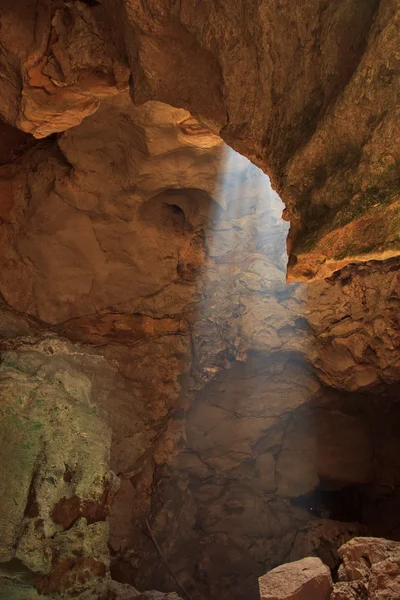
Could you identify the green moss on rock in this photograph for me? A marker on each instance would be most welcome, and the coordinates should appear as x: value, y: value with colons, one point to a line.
x: 53, y: 446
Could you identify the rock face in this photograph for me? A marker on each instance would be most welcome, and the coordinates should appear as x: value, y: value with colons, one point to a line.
x: 306, y: 579
x: 370, y: 571
x: 56, y: 65
x: 248, y: 421
x: 56, y: 486
x: 109, y: 266
x: 119, y: 591
x: 327, y: 134
x: 330, y: 146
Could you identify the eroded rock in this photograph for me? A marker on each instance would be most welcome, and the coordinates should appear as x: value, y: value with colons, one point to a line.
x: 53, y: 447
x: 57, y: 64
x: 326, y: 134
x: 370, y: 570
x: 306, y: 579
x: 143, y: 272
x: 331, y: 147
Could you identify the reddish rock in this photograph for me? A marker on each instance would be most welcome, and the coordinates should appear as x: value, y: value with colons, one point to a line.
x: 370, y: 570
x: 331, y: 147
x: 361, y: 554
x: 306, y: 579
x: 67, y: 572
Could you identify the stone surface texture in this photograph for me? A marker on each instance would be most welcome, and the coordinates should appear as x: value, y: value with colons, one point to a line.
x: 57, y: 64
x: 306, y: 579
x: 327, y: 135
x: 370, y: 570
x: 371, y: 566
x: 331, y: 146
x: 168, y: 401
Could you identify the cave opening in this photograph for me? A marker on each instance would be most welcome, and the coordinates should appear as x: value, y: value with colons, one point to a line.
x: 343, y: 504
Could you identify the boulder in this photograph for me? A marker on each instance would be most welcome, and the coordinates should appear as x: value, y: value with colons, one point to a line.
x: 306, y: 579
x: 370, y: 570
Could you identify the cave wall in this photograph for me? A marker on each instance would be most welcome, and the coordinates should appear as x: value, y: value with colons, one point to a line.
x: 146, y: 260
x: 154, y: 361
x: 55, y: 484
x: 247, y: 492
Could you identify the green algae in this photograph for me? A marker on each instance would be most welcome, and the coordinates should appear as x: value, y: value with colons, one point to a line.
x: 378, y: 196
x: 48, y: 428
x: 14, y: 590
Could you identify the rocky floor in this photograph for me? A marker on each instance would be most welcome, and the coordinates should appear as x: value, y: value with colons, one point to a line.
x: 369, y: 570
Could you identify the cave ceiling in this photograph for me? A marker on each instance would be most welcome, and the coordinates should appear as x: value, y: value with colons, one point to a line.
x: 310, y: 94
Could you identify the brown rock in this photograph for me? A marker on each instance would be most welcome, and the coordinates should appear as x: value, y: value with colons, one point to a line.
x: 119, y: 591
x: 323, y: 538
x: 161, y: 254
x: 331, y: 148
x: 321, y: 446
x: 370, y: 570
x: 354, y: 590
x: 66, y: 65
x: 67, y: 573
x: 362, y: 553
x: 339, y: 182
x: 68, y: 510
x: 384, y: 581
x: 306, y: 579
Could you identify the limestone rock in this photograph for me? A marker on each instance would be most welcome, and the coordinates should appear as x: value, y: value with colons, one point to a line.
x: 384, y: 582
x: 119, y: 591
x: 323, y: 538
x: 224, y: 234
x: 354, y: 590
x: 361, y: 554
x: 229, y: 68
x: 12, y: 590
x: 57, y: 64
x: 316, y: 448
x: 370, y: 570
x: 331, y: 147
x: 116, y: 256
x: 55, y: 481
x: 143, y: 286
x: 306, y: 579
x: 158, y: 596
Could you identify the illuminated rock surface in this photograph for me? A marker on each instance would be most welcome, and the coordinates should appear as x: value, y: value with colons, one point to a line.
x: 311, y: 95
x: 305, y: 579
x: 169, y: 402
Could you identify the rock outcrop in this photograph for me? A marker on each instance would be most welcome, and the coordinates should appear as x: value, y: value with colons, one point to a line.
x: 370, y: 571
x: 56, y: 486
x: 57, y: 64
x: 327, y: 134
x: 306, y: 579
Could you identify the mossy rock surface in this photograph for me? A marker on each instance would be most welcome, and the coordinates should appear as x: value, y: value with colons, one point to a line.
x: 53, y: 447
x: 11, y: 590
